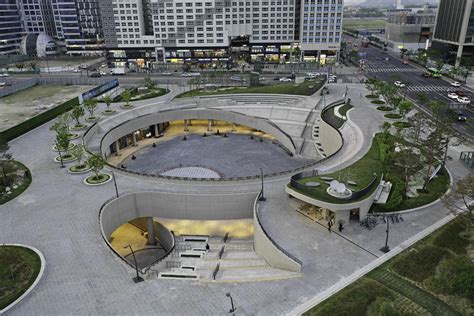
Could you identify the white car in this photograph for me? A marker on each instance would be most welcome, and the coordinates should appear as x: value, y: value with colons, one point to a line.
x: 399, y: 84
x: 4, y: 75
x: 76, y: 70
x: 190, y: 74
x: 452, y: 95
x: 312, y: 74
x: 284, y: 79
x: 236, y: 78
x: 166, y: 73
x: 455, y: 84
x: 103, y: 73
x: 464, y: 100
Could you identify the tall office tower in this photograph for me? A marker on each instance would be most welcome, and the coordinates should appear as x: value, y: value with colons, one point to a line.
x: 11, y: 30
x: 216, y: 30
x: 78, y: 24
x: 37, y: 16
x: 454, y: 30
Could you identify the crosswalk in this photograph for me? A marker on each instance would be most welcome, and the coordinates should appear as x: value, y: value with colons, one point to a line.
x: 427, y: 88
x: 392, y: 69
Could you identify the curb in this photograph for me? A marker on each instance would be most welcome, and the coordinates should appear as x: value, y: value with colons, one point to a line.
x: 35, y: 283
x: 101, y: 183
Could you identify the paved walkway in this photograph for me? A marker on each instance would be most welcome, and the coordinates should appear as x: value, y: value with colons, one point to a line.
x: 58, y: 215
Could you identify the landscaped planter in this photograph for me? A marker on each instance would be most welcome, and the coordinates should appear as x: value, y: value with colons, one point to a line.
x: 78, y: 127
x: 103, y: 179
x: 72, y: 136
x: 393, y: 116
x: 92, y: 119
x: 384, y: 108
x: 377, y: 102
x: 65, y: 158
x: 71, y: 146
x: 402, y: 124
x: 371, y: 96
x: 79, y: 169
x: 126, y: 107
x: 109, y: 112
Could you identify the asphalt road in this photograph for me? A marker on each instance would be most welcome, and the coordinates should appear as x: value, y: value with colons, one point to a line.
x: 393, y: 69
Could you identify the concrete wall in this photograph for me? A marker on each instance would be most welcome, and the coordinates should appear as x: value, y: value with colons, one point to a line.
x: 165, y: 237
x: 330, y: 139
x: 196, y: 113
x: 341, y: 210
x: 177, y: 206
x: 268, y: 250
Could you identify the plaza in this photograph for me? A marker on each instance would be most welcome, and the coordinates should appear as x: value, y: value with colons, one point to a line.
x: 276, y: 262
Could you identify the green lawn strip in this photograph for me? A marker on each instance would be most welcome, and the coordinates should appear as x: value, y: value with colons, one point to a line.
x: 343, y: 109
x: 158, y: 92
x: 21, y: 188
x: 451, y: 238
x: 423, y: 298
x: 25, y: 265
x: 305, y: 88
x: 362, y: 172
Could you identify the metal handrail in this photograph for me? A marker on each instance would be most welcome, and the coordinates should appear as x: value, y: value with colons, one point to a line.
x: 216, y: 270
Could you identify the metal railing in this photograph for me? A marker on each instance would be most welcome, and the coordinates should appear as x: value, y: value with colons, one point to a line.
x: 221, y: 252
x: 216, y: 270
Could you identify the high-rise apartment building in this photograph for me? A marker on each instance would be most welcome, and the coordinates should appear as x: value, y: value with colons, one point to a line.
x: 11, y: 30
x: 216, y: 30
x: 454, y: 30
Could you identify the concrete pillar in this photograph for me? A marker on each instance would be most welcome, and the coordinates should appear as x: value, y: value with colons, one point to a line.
x: 190, y: 123
x: 134, y: 139
x: 209, y: 125
x: 117, y: 148
x: 319, y: 57
x: 233, y: 128
x: 458, y: 56
x: 156, y: 130
x: 186, y: 129
x: 151, y: 231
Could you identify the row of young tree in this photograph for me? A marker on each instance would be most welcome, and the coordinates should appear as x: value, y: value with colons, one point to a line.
x: 390, y: 94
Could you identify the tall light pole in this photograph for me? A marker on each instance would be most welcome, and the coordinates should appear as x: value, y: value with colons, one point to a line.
x: 233, y: 309
x: 138, y: 278
x: 262, y: 198
x: 386, y: 248
x: 115, y: 185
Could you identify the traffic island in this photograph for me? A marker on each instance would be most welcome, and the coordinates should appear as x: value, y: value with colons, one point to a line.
x: 101, y: 178
x: 15, y: 180
x: 79, y: 169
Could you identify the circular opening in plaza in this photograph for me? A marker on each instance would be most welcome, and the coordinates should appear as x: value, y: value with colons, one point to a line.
x: 202, y: 149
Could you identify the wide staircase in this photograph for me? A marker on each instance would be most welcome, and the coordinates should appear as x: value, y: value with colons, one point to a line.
x: 227, y: 260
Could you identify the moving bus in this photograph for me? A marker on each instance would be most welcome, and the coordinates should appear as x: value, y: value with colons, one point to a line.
x: 435, y: 73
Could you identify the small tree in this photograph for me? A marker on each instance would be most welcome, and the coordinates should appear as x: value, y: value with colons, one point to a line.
x: 5, y: 160
x: 20, y: 66
x: 404, y: 107
x: 96, y: 162
x: 149, y: 83
x: 107, y: 100
x: 77, y: 113
x: 461, y: 197
x: 90, y: 105
x: 62, y: 145
x: 422, y: 98
x: 78, y: 153
x: 33, y: 65
x: 126, y: 96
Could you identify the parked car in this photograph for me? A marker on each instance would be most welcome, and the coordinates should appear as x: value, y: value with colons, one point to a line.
x: 166, y: 73
x: 312, y: 74
x: 4, y: 75
x: 464, y: 100
x: 3, y: 84
x: 452, y: 95
x: 460, y: 93
x: 455, y: 84
x: 399, y: 84
x: 103, y: 65
x: 284, y: 79
x: 77, y: 70
x: 102, y: 73
x: 237, y: 78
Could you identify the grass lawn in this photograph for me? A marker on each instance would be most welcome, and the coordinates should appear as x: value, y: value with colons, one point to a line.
x: 16, y: 170
x: 362, y: 172
x: 434, y: 276
x: 361, y: 24
x: 305, y: 88
x: 24, y: 264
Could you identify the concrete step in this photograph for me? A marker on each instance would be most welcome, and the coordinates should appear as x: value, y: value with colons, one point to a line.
x: 233, y: 264
x: 254, y: 275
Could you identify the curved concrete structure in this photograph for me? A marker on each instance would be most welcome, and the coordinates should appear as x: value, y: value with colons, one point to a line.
x: 100, y: 136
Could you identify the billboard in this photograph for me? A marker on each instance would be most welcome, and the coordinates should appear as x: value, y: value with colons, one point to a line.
x: 99, y: 90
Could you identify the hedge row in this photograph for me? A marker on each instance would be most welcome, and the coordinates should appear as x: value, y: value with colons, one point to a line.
x: 38, y: 120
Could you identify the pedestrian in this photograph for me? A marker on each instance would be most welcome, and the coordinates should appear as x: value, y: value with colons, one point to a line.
x: 207, y: 247
x: 329, y: 225
x: 340, y: 227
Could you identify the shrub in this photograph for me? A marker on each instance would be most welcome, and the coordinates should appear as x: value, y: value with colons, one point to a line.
x: 377, y: 102
x: 450, y: 238
x: 402, y: 124
x: 455, y: 277
x: 420, y: 264
x: 393, y: 116
x: 384, y: 108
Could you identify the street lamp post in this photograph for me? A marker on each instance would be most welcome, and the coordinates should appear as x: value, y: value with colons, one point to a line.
x: 138, y: 278
x: 115, y: 185
x: 233, y: 309
x: 386, y: 248
x: 262, y: 198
